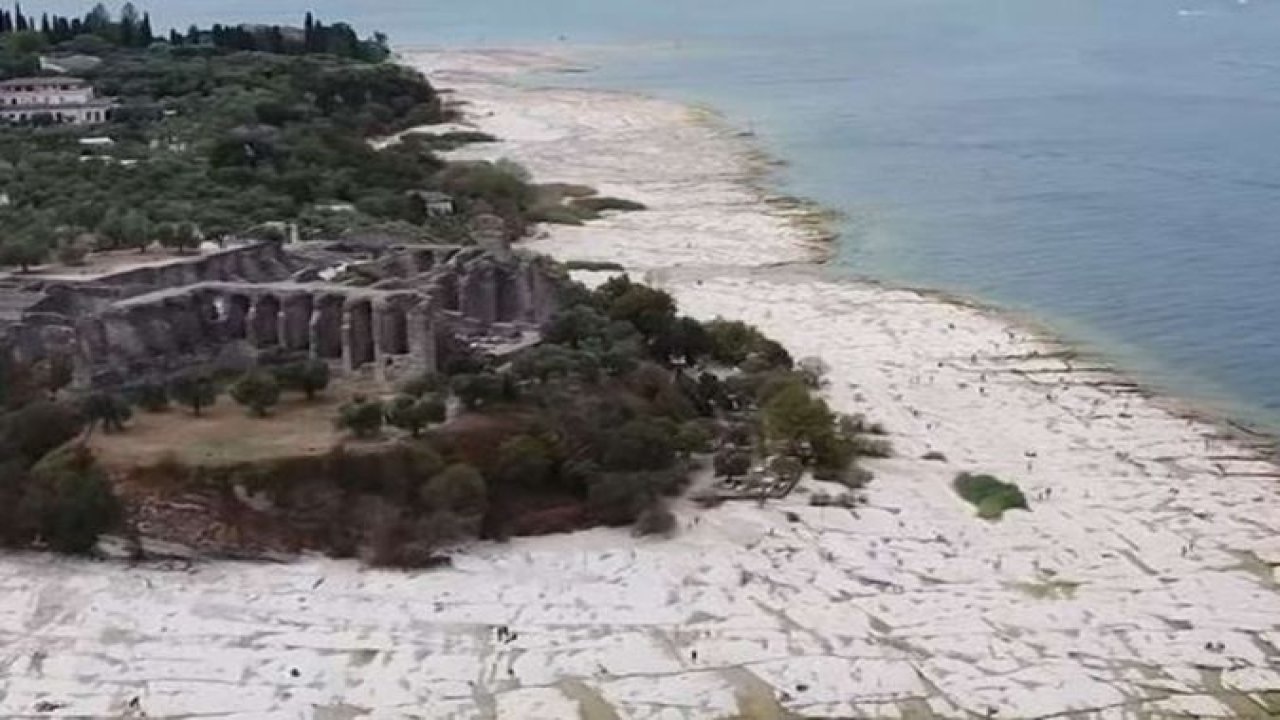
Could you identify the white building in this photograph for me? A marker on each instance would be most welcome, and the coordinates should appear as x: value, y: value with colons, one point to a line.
x: 60, y: 99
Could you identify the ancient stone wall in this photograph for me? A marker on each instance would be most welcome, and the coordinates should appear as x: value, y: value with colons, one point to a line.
x: 229, y: 309
x: 171, y: 329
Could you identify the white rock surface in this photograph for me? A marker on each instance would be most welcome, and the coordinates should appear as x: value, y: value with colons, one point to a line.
x: 1110, y: 599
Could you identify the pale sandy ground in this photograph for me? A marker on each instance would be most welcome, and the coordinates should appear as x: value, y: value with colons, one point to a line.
x: 1158, y: 541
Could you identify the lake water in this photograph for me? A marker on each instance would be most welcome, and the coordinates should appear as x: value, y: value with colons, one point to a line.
x: 1109, y: 166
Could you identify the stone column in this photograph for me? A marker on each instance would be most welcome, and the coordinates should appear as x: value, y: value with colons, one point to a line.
x: 358, y: 342
x: 294, y: 328
x: 479, y: 296
x: 422, y: 337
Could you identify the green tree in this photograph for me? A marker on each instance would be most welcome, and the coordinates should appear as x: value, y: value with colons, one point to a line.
x: 179, y: 236
x: 72, y: 500
x: 309, y: 377
x: 361, y: 417
x: 575, y: 325
x: 652, y: 312
x: 414, y: 414
x: 693, y: 437
x: 108, y: 410
x: 786, y: 468
x: 459, y: 489
x: 732, y: 463
x: 524, y: 461
x: 425, y: 383
x: 196, y: 391
x: 151, y: 397
x: 35, y: 429
x: 258, y: 391
x: 794, y: 417
x: 482, y: 389
x: 641, y: 444
x: 22, y: 252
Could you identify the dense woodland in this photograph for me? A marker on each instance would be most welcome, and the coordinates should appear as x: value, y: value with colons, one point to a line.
x: 220, y: 132
x: 212, y: 139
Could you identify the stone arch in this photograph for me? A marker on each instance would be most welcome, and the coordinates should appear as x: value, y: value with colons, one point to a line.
x: 507, y: 297
x: 295, y: 322
x: 183, y: 319
x: 394, y: 330
x: 326, y: 327
x: 234, y: 309
x: 265, y: 325
x: 450, y: 296
x: 358, y: 346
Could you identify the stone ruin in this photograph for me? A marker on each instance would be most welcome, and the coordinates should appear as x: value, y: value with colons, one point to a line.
x: 372, y: 306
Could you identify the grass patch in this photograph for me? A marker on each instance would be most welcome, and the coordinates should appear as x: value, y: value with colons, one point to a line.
x: 444, y: 142
x: 594, y: 265
x: 990, y: 495
x: 555, y: 214
x: 1054, y: 590
x: 605, y: 202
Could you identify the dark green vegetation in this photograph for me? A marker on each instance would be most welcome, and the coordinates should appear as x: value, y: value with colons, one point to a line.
x: 51, y: 492
x: 220, y: 136
x: 224, y: 133
x: 990, y: 495
x: 604, y: 421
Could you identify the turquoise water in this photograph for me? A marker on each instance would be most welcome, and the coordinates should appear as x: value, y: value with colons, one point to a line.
x: 1110, y: 166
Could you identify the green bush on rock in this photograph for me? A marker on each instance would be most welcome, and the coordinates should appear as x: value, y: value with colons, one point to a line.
x: 990, y: 495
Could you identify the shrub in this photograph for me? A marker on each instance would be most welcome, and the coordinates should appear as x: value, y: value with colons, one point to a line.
x: 196, y: 391
x: 72, y: 254
x: 990, y: 495
x: 361, y: 417
x: 619, y: 498
x: 594, y: 265
x: 794, y: 417
x: 309, y: 377
x: 641, y: 444
x: 871, y: 447
x: 934, y: 455
x: 555, y: 215
x: 523, y: 461
x: 423, y: 384
x: 151, y: 397
x: 482, y: 389
x: 733, y: 342
x: 70, y: 496
x: 460, y: 489
x: 657, y: 519
x: 258, y: 391
x: 107, y: 409
x: 33, y: 431
x: 413, y: 414
x: 731, y: 463
x: 694, y: 437
x: 598, y: 204
x: 786, y: 468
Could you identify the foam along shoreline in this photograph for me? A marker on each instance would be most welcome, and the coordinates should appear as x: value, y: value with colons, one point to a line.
x: 1143, y: 585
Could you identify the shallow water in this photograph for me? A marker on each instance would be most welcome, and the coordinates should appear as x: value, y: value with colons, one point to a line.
x: 1107, y: 166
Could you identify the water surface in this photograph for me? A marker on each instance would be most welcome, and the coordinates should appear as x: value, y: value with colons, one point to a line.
x: 1111, y: 166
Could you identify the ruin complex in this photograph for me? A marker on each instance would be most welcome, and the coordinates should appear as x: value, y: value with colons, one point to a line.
x: 365, y: 306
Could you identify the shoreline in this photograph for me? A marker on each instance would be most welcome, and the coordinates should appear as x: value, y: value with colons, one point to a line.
x: 814, y: 223
x: 1142, y: 582
x: 1066, y: 423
